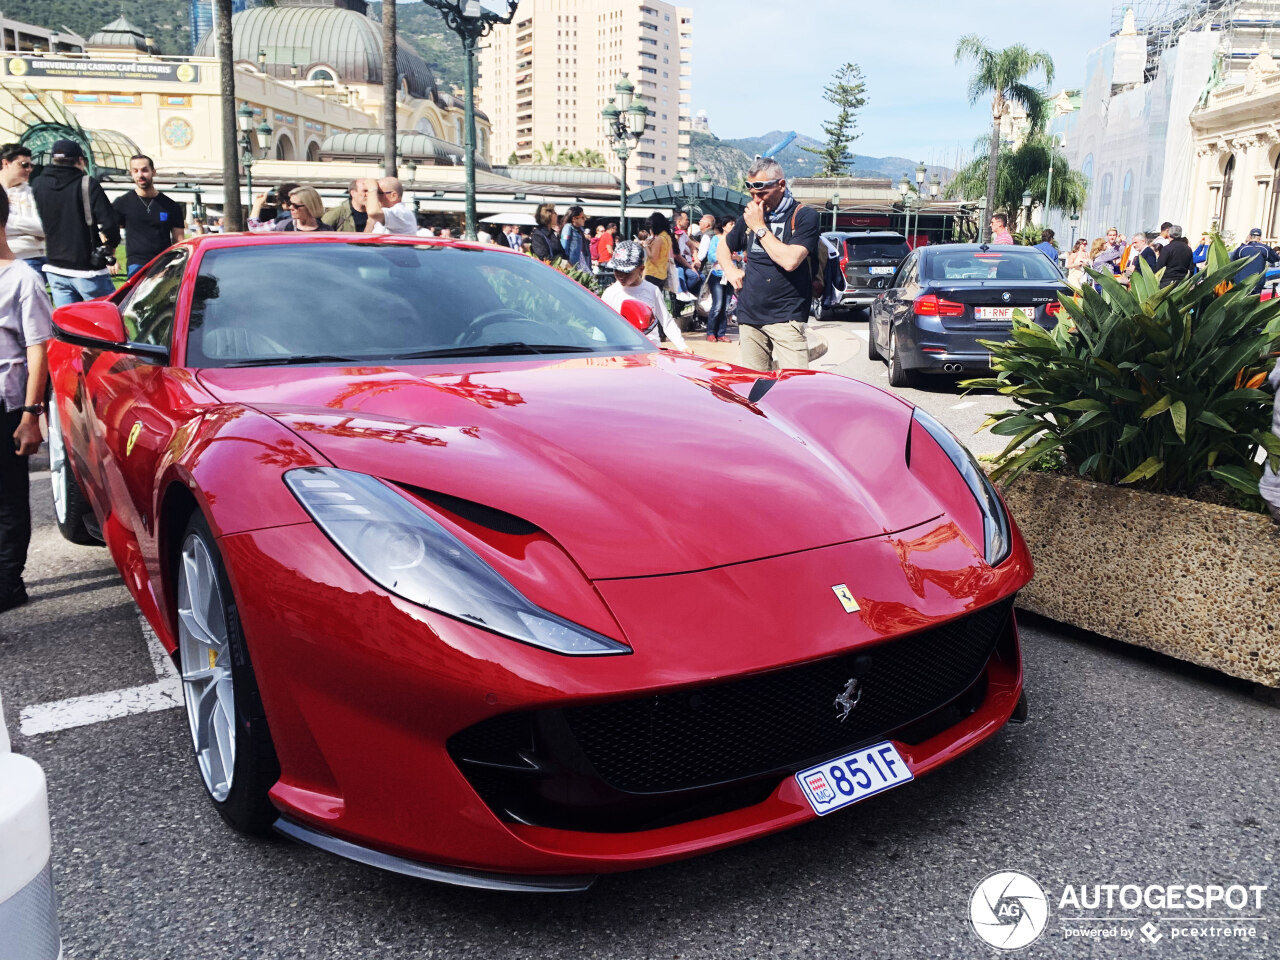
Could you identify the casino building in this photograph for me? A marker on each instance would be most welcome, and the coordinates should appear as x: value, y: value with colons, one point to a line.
x: 311, y: 70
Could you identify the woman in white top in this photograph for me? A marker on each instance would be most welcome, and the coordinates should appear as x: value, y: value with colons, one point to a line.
x: 24, y: 231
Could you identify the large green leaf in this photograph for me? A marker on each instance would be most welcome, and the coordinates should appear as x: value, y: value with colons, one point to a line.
x: 1147, y: 468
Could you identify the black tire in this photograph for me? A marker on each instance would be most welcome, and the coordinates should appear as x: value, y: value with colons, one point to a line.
x: 246, y: 807
x: 70, y: 505
x: 872, y: 352
x: 899, y: 376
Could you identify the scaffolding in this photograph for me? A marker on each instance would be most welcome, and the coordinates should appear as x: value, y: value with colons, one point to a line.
x: 1247, y: 28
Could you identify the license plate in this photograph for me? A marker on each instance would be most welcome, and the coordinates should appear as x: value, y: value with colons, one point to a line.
x: 853, y: 777
x: 880, y: 271
x: 1004, y: 313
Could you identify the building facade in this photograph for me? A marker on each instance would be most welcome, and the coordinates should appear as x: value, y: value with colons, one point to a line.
x: 545, y: 78
x: 1163, y: 128
x: 1236, y: 173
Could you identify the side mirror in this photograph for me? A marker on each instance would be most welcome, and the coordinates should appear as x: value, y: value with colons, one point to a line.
x: 97, y: 324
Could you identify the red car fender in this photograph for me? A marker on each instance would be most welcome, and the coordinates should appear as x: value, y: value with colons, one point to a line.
x: 206, y: 466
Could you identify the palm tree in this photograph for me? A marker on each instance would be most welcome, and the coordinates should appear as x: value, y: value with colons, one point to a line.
x: 390, y: 85
x: 1024, y: 169
x: 232, y: 212
x: 1003, y: 74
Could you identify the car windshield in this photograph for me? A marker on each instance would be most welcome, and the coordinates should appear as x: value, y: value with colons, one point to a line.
x: 993, y: 264
x: 360, y: 302
x: 878, y: 248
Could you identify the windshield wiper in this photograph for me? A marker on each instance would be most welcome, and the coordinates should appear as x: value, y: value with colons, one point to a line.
x: 491, y: 349
x: 300, y: 358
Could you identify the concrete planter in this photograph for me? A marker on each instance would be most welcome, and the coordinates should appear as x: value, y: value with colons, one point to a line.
x: 1192, y: 580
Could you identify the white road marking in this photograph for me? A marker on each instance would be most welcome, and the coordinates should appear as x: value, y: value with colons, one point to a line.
x: 962, y: 406
x: 164, y: 694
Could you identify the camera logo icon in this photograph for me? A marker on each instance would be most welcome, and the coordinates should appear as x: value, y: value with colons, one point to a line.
x: 1009, y: 910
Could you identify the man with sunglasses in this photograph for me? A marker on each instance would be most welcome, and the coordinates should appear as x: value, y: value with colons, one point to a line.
x: 24, y: 231
x: 775, y: 283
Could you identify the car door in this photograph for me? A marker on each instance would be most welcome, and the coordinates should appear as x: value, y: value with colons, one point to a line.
x: 135, y: 406
x: 891, y: 307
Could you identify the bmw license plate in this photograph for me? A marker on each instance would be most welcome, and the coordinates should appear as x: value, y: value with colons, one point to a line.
x: 880, y: 271
x: 853, y: 777
x: 1004, y: 313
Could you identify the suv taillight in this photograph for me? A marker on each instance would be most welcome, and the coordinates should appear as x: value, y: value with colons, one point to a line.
x: 931, y: 306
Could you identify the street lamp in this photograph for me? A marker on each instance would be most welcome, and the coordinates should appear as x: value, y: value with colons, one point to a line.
x: 244, y: 120
x: 471, y: 20
x: 835, y: 211
x: 1075, y: 222
x: 262, y: 61
x: 904, y: 188
x: 935, y: 184
x: 982, y: 216
x: 1048, y: 188
x: 1026, y: 204
x: 622, y: 121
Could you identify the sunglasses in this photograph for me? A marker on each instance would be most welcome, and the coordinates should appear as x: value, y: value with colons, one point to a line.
x: 756, y: 185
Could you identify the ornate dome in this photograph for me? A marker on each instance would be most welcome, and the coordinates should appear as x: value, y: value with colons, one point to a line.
x: 120, y: 34
x: 343, y: 42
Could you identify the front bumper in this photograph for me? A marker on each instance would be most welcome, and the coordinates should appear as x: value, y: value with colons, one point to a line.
x: 366, y: 693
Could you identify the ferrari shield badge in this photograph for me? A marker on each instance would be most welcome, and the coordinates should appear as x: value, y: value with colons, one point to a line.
x: 846, y: 598
x: 133, y: 438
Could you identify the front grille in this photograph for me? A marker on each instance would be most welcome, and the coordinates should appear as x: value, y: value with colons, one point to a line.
x: 711, y: 734
x: 647, y: 762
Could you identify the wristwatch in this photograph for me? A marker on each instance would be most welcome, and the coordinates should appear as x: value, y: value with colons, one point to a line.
x: 760, y: 232
x: 36, y: 408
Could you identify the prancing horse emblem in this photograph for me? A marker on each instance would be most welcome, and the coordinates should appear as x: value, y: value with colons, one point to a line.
x: 849, y: 698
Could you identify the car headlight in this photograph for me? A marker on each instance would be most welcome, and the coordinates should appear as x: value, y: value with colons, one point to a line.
x: 997, y: 538
x: 405, y: 551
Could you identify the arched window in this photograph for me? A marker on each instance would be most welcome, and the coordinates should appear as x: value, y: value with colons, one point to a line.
x: 1104, y: 200
x: 1224, y: 198
x: 1086, y: 169
x: 313, y: 151
x: 322, y: 73
x: 284, y: 147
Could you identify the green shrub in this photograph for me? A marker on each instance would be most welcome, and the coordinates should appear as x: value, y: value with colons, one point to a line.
x: 1146, y: 386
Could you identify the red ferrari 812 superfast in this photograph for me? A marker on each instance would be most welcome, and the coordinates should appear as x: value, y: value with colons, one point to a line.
x: 466, y: 579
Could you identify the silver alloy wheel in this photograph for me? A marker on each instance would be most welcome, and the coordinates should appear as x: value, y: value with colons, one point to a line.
x: 58, y: 466
x: 207, y: 684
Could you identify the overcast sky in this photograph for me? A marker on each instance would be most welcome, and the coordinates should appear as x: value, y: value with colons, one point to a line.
x: 760, y: 66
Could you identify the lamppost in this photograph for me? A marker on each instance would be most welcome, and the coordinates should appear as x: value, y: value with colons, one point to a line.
x: 1075, y: 222
x: 904, y: 188
x: 244, y: 120
x: 921, y: 172
x: 1048, y: 187
x: 623, y: 120
x: 835, y: 211
x: 982, y: 216
x: 471, y: 20
x: 1027, y: 200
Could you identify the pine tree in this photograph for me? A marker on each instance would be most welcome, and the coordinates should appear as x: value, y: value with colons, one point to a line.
x: 847, y: 92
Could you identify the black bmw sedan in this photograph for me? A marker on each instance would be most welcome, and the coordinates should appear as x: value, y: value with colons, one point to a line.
x: 946, y: 298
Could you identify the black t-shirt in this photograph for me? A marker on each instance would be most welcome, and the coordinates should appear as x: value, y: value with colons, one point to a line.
x: 147, y: 223
x: 359, y: 220
x: 769, y: 294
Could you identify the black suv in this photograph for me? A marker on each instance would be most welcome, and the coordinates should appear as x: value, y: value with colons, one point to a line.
x: 868, y: 259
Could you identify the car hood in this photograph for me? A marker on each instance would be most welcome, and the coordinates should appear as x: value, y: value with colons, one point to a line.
x: 637, y: 465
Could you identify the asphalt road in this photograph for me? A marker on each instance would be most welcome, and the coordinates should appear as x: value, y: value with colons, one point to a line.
x: 1133, y: 769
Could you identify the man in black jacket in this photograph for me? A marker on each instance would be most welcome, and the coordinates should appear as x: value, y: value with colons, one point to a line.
x: 1175, y: 258
x: 69, y: 240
